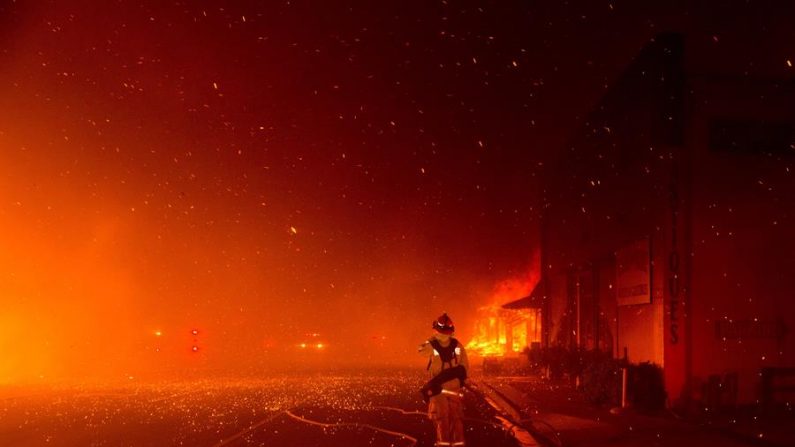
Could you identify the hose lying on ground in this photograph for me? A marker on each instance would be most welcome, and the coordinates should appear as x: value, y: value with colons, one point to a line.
x: 411, y: 439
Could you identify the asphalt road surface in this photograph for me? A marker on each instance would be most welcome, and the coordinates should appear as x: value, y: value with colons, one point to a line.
x: 312, y: 410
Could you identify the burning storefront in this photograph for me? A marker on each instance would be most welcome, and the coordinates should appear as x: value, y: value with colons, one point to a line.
x: 505, y: 332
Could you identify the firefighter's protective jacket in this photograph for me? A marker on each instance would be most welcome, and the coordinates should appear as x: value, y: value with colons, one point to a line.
x: 426, y: 349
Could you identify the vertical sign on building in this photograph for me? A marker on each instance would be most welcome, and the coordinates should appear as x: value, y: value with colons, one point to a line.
x: 674, y: 262
x: 633, y: 273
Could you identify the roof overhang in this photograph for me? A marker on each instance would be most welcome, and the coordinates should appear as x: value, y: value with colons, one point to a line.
x: 532, y: 301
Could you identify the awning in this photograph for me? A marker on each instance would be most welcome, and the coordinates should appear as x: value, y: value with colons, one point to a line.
x: 532, y: 301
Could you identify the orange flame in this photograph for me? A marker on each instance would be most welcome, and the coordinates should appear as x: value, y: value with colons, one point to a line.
x: 499, y: 332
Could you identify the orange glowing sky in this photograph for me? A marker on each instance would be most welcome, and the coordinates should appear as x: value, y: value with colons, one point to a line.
x: 265, y: 171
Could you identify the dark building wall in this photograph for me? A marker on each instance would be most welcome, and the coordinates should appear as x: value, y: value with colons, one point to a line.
x: 609, y: 190
x: 739, y: 133
x: 698, y: 164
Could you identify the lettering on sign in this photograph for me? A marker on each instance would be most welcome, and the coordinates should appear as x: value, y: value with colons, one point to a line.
x: 740, y: 329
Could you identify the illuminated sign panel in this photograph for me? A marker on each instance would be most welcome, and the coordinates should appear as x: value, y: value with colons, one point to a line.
x: 633, y: 273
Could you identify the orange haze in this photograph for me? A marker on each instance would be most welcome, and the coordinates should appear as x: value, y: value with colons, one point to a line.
x: 159, y: 174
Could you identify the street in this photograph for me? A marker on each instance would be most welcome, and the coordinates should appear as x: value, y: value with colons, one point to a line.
x: 310, y: 410
x: 231, y: 223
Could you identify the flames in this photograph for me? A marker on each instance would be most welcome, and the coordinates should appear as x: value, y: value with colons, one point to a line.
x: 504, y: 332
x: 488, y: 341
x: 500, y: 332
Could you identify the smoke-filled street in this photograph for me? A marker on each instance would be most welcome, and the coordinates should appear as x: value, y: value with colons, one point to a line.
x: 351, y: 409
x: 314, y: 223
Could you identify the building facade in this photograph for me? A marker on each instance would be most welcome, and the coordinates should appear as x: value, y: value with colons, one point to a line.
x: 667, y: 230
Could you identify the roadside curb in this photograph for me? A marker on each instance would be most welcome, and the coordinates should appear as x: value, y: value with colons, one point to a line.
x: 509, y: 414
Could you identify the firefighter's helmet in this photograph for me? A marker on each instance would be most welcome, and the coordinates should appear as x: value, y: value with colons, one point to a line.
x: 444, y: 324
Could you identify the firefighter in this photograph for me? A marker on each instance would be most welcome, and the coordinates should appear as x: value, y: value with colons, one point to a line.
x: 447, y: 366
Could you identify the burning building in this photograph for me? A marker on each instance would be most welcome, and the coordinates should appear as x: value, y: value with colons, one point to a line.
x: 509, y: 329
